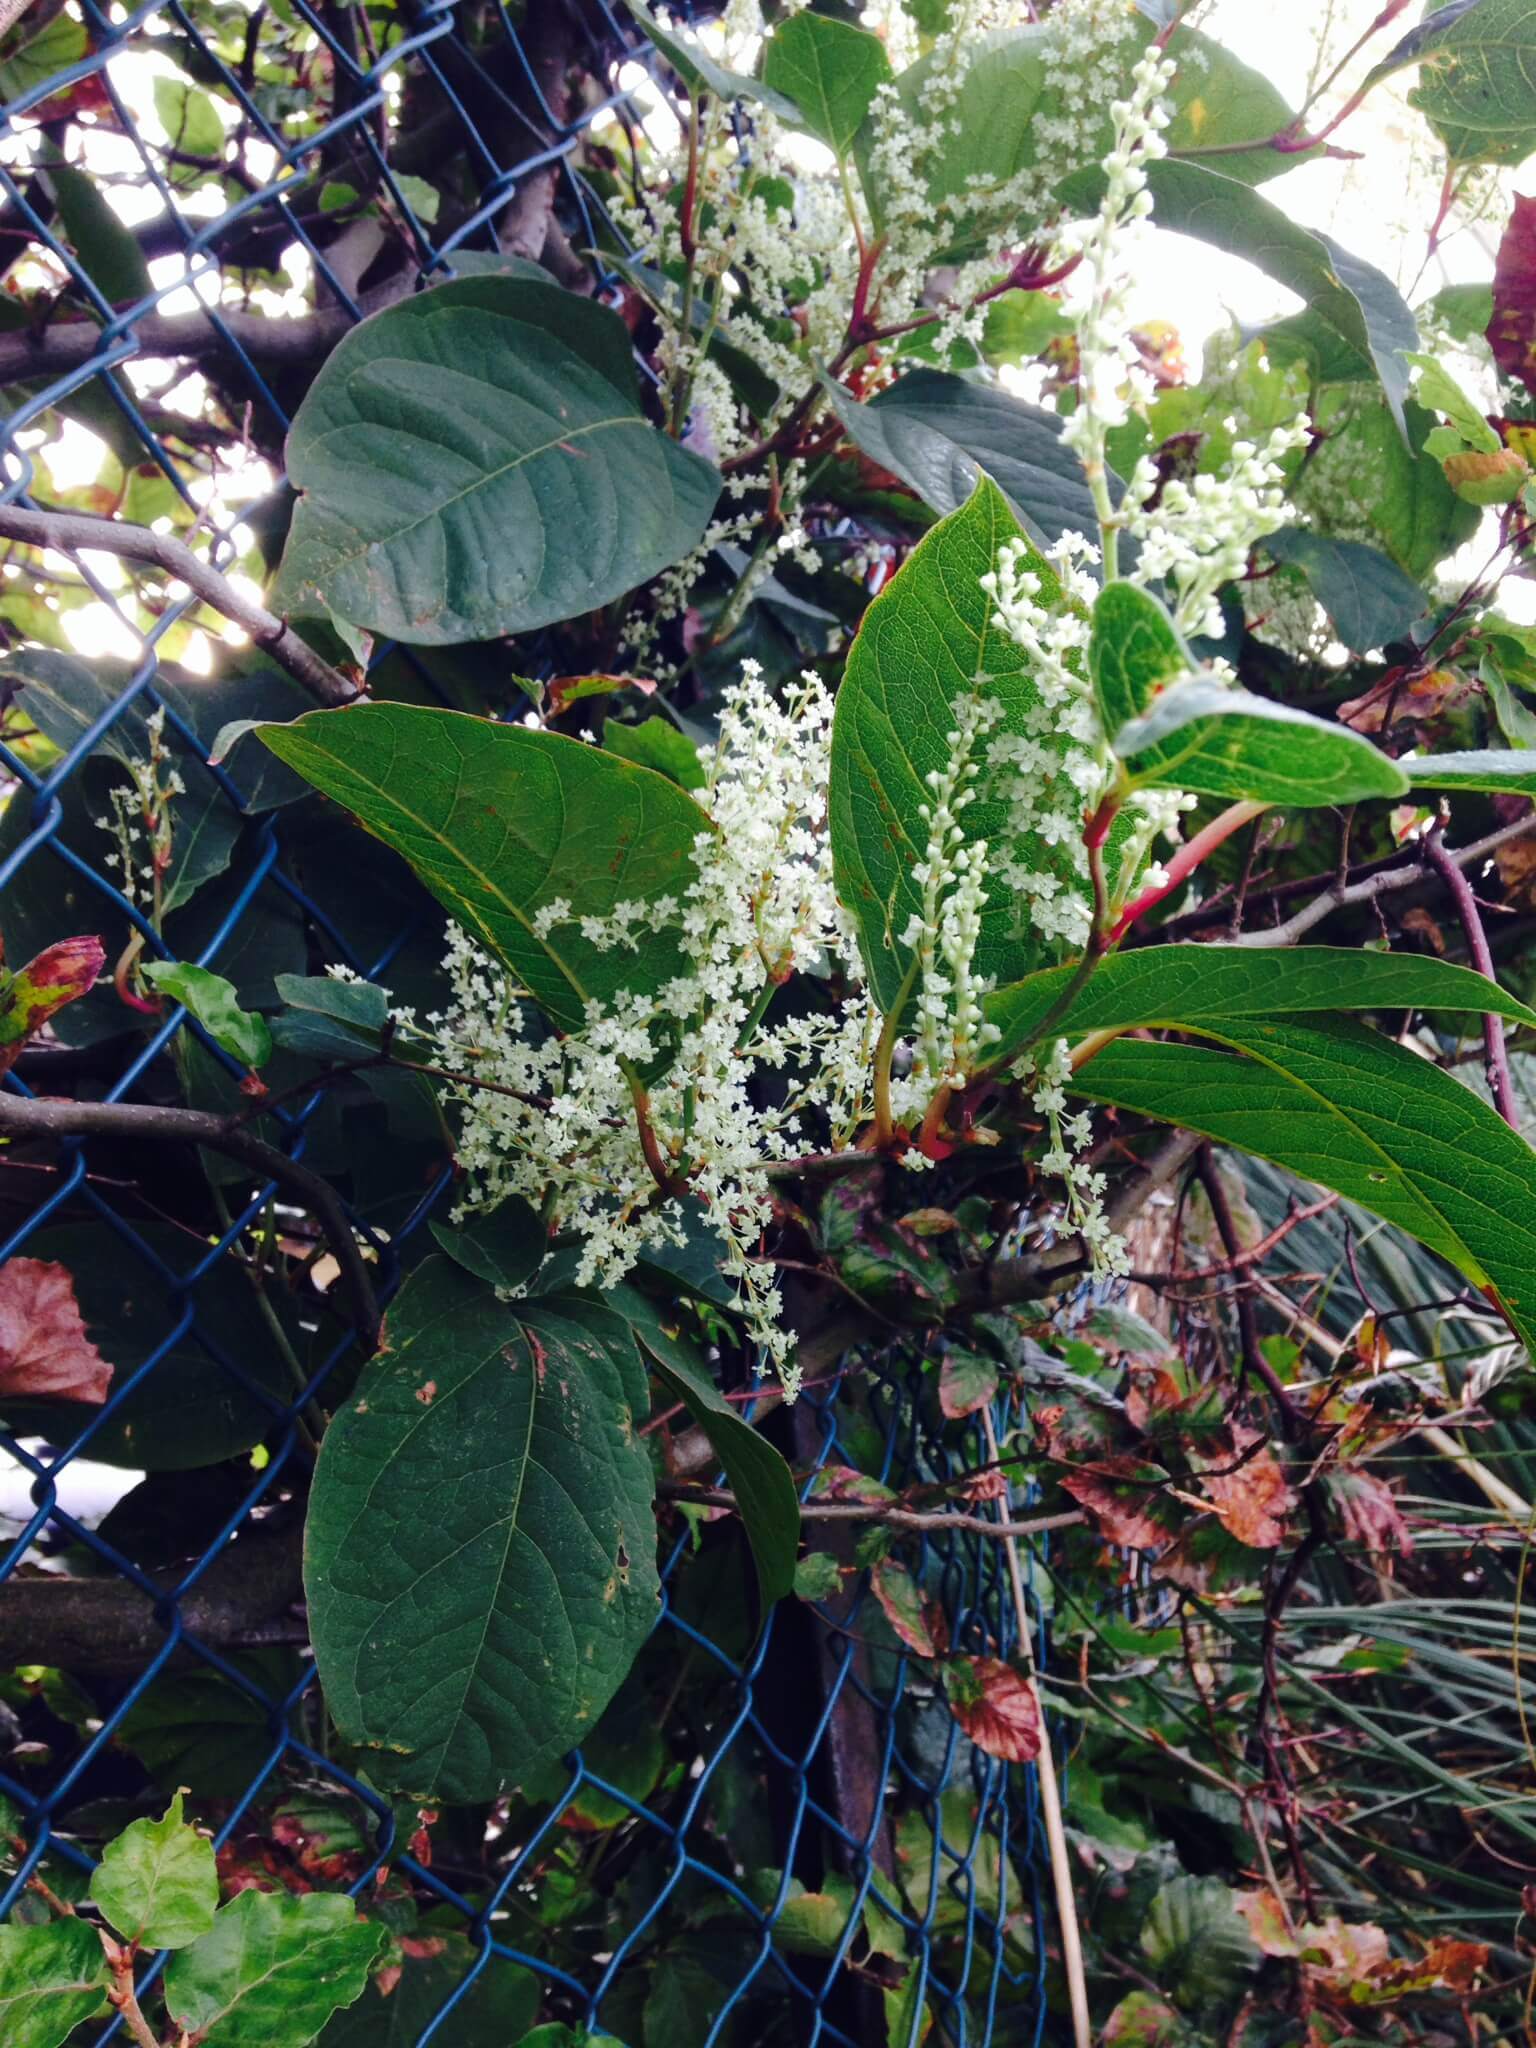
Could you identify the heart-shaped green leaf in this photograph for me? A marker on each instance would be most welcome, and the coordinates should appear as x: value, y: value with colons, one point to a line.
x: 830, y: 70
x: 454, y: 447
x: 156, y: 1883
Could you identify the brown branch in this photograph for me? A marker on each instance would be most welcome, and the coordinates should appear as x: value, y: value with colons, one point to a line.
x: 56, y: 1119
x: 1495, y: 1054
x: 1195, y: 1276
x: 272, y: 343
x: 70, y: 532
x: 890, y: 1513
x: 1383, y: 882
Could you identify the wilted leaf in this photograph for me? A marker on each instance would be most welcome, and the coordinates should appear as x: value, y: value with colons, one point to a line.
x: 1369, y: 1511
x: 996, y: 1706
x: 1253, y: 1500
x: 918, y: 1621
x: 967, y: 1381
x: 44, y: 1348
x: 38, y: 991
x: 1120, y: 1494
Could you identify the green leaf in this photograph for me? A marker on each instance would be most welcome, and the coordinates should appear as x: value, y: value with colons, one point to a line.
x: 938, y: 433
x: 157, y: 1884
x: 189, y: 118
x: 1344, y: 1106
x: 657, y: 743
x: 505, y: 1246
x: 1367, y: 596
x: 423, y: 199
x: 830, y: 70
x: 1439, y: 391
x: 1217, y: 741
x: 480, y: 1555
x: 1356, y: 300
x: 491, y: 406
x: 1134, y: 653
x: 817, y: 1576
x: 499, y: 822
x: 104, y: 246
x: 990, y: 132
x: 1196, y: 1942
x: 1500, y: 772
x: 271, y: 1970
x: 763, y: 1484
x: 495, y: 2010
x: 52, y: 1976
x: 1186, y: 987
x: 700, y: 73
x: 327, y: 1019
x: 1477, y: 62
x: 927, y: 643
x: 212, y: 1001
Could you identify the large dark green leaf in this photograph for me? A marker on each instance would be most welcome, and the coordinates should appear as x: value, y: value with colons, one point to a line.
x: 271, y: 1970
x: 499, y: 821
x: 1477, y: 77
x: 1367, y: 596
x: 1185, y: 987
x: 1356, y: 300
x: 104, y: 246
x: 938, y: 433
x: 52, y: 1976
x: 763, y: 1484
x: 1217, y: 741
x: 926, y: 643
x: 1344, y: 1106
x: 830, y: 70
x: 1499, y: 772
x: 475, y: 461
x: 480, y: 1554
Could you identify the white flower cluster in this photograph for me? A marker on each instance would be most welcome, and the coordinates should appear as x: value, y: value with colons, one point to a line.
x: 1070, y: 1137
x: 557, y: 1119
x: 140, y: 819
x: 1198, y: 535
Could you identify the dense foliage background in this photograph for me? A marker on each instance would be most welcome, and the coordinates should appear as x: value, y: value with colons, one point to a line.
x: 727, y: 879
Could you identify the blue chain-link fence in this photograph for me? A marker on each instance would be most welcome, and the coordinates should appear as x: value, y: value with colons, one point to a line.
x: 781, y: 1837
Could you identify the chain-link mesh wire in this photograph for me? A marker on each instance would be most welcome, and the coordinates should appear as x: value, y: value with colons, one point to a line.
x: 771, y: 1837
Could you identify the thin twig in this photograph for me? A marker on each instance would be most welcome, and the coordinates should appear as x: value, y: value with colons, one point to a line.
x: 56, y: 1119
x: 888, y: 1513
x: 70, y: 532
x: 1495, y: 1054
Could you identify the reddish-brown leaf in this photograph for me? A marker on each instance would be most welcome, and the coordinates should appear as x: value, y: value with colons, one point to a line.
x: 967, y: 1381
x: 44, y: 1348
x: 1120, y: 1494
x: 842, y: 1482
x: 1253, y: 1500
x: 919, y: 1622
x: 1512, y: 329
x: 996, y: 1707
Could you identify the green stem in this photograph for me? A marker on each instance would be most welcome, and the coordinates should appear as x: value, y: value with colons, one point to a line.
x: 885, y: 1052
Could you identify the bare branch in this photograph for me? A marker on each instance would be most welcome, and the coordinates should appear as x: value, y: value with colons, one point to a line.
x: 1496, y: 1058
x: 889, y: 1513
x: 70, y: 532
x: 56, y: 1119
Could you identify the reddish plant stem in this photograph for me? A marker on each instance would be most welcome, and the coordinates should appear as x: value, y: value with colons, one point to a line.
x: 1495, y: 1053
x: 1185, y: 861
